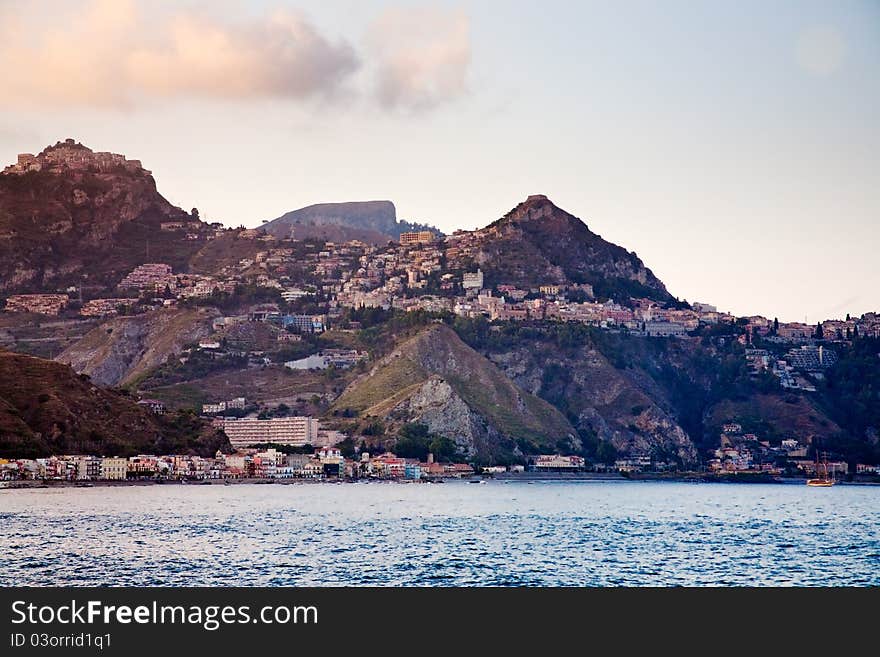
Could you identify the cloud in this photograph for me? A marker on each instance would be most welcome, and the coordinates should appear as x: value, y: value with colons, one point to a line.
x: 820, y: 50
x: 107, y: 54
x: 422, y: 56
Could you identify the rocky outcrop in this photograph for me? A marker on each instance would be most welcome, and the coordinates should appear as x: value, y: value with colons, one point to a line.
x: 73, y: 217
x: 436, y: 379
x: 437, y: 405
x: 123, y: 349
x: 371, y: 221
x: 622, y: 407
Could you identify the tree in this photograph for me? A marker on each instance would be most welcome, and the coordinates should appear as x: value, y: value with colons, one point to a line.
x: 820, y: 334
x: 775, y: 325
x: 195, y: 213
x: 347, y: 447
x: 606, y: 453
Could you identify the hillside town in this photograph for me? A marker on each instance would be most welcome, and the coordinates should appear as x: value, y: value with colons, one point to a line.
x: 421, y: 272
x: 425, y: 273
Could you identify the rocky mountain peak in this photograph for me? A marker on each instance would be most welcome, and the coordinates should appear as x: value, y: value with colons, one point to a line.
x: 538, y: 207
x: 71, y: 216
x: 370, y: 221
x: 537, y: 243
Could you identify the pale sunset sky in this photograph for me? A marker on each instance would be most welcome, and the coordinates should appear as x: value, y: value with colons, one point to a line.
x: 735, y: 146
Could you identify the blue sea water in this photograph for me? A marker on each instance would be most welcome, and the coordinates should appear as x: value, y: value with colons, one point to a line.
x: 590, y: 533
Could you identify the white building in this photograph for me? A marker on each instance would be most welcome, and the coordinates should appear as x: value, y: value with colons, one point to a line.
x: 472, y: 280
x: 294, y: 431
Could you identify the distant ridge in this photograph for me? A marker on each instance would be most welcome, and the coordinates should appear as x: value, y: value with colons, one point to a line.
x: 370, y: 221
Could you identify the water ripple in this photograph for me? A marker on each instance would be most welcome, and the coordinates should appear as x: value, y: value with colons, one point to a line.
x: 503, y: 534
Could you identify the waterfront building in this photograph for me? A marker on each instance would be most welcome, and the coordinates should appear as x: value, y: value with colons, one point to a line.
x: 293, y: 431
x: 557, y: 461
x: 114, y: 468
x: 87, y: 467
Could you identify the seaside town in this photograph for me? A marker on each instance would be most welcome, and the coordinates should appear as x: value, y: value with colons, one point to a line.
x: 421, y: 272
x: 287, y: 292
x: 741, y: 454
x: 326, y: 463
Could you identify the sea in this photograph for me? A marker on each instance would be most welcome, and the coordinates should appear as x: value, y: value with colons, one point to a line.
x: 502, y: 533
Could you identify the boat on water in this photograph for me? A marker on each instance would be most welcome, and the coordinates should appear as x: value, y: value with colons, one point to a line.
x: 822, y: 479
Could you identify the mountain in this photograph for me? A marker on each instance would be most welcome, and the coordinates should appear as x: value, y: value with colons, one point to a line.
x: 537, y: 244
x: 70, y: 216
x: 437, y: 380
x: 46, y: 408
x: 369, y: 221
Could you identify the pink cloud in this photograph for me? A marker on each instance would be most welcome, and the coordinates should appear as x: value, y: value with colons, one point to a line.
x: 108, y: 54
x: 422, y: 56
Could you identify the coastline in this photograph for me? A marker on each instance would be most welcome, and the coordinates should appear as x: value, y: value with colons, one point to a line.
x: 527, y: 477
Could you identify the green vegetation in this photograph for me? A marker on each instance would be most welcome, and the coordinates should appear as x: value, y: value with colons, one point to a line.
x: 244, y: 294
x: 414, y: 441
x: 435, y: 354
x: 850, y: 394
x: 45, y: 408
x: 198, y: 364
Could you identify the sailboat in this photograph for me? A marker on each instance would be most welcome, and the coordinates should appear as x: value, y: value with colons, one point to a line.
x: 824, y: 480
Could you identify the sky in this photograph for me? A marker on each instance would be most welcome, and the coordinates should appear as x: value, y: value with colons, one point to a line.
x: 735, y: 147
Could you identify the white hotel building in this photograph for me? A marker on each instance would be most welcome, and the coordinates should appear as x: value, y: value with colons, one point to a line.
x: 293, y: 431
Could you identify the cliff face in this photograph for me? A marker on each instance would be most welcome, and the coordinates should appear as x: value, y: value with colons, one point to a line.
x: 370, y: 221
x: 437, y: 380
x: 122, y: 349
x: 70, y: 216
x: 537, y: 243
x: 622, y: 407
x: 45, y: 409
x: 663, y: 398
